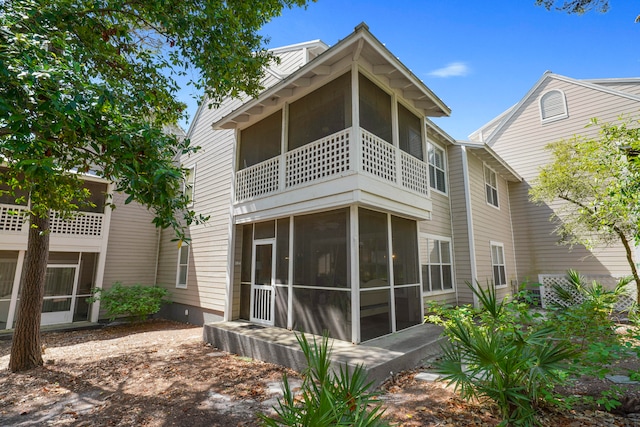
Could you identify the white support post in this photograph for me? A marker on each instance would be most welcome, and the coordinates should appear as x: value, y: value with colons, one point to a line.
x: 392, y: 283
x: 355, y: 273
x: 290, y: 278
x: 14, y: 292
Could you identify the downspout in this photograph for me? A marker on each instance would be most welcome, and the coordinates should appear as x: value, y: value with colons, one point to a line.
x: 472, y: 244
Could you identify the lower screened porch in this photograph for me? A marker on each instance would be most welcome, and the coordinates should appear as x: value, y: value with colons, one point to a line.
x: 353, y: 272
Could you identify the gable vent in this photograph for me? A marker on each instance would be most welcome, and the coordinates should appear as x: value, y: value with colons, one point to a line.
x: 553, y: 105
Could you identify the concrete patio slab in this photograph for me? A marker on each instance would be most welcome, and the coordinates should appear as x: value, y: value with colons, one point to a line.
x: 382, y: 357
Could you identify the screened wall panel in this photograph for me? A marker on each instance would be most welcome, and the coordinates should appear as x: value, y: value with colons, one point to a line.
x: 375, y: 109
x: 318, y: 310
x: 410, y: 132
x: 260, y: 141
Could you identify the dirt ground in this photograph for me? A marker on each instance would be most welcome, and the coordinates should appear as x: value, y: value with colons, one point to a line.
x: 160, y: 373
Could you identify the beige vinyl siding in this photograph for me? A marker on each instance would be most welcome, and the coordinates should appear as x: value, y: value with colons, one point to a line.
x: 490, y: 224
x: 522, y: 145
x: 632, y: 88
x: 132, y: 247
x: 462, y: 261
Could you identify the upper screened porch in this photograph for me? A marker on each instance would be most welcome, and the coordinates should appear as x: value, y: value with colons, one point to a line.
x: 324, y: 150
x: 347, y: 127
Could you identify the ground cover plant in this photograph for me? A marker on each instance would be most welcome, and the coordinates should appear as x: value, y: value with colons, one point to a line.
x: 520, y: 358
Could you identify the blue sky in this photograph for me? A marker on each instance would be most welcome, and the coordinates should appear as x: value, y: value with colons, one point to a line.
x: 479, y: 57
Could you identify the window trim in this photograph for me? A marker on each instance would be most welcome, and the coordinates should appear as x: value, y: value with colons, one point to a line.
x: 189, y: 183
x: 453, y: 270
x: 488, y: 184
x: 443, y: 169
x: 180, y: 266
x: 500, y: 245
x: 560, y: 116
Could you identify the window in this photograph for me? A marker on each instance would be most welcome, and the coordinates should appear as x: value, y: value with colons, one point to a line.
x: 323, y: 112
x: 437, y: 269
x: 553, y: 106
x: 183, y: 266
x: 375, y: 109
x: 189, y: 183
x: 491, y: 186
x: 497, y: 262
x: 436, y: 168
x: 260, y: 141
x: 410, y: 132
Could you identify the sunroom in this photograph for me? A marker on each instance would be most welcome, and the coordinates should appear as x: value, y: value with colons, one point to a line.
x: 331, y: 179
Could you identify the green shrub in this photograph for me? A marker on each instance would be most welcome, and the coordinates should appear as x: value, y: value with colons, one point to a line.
x: 504, y: 353
x: 326, y: 398
x: 136, y: 301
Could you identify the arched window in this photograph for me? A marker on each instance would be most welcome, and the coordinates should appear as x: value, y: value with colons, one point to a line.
x: 553, y: 106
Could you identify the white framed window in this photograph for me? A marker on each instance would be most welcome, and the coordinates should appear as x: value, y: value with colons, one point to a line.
x: 437, y: 264
x: 437, y: 174
x: 491, y: 186
x: 188, y: 186
x: 497, y: 263
x: 553, y: 106
x: 183, y: 266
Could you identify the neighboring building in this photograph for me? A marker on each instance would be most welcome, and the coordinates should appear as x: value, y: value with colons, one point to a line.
x: 336, y: 204
x: 555, y: 108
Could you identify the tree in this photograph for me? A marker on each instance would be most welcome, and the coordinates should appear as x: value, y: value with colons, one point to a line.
x: 89, y: 86
x: 598, y: 182
x: 578, y: 7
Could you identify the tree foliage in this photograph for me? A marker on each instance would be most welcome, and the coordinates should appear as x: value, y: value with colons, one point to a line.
x: 597, y: 181
x: 578, y: 7
x: 90, y: 86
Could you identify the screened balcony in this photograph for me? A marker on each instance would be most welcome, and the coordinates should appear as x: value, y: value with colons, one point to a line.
x: 338, y: 155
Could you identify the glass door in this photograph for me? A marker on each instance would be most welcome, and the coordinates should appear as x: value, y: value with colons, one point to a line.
x: 262, y: 282
x: 59, y: 294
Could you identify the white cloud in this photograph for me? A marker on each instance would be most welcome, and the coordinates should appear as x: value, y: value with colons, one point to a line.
x: 451, y: 70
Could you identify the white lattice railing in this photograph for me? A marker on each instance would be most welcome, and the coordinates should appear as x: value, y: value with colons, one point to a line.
x: 378, y: 157
x: 415, y: 174
x: 330, y: 157
x: 86, y: 224
x: 549, y: 296
x: 258, y: 180
x: 321, y: 159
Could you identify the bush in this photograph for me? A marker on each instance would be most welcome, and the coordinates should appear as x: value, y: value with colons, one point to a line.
x: 136, y: 301
x: 326, y: 398
x: 503, y: 353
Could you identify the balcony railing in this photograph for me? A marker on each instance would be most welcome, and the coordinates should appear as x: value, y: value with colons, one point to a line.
x: 86, y: 224
x: 331, y: 156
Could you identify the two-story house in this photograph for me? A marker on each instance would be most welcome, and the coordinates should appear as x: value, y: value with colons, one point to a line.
x: 332, y: 201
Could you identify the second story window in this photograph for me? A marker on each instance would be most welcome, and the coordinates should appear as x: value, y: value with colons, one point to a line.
x: 410, y: 132
x: 323, y: 112
x: 437, y: 173
x: 491, y: 186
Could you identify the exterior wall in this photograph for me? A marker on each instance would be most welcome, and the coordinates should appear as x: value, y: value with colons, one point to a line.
x: 440, y: 225
x: 632, y: 88
x: 460, y: 225
x: 133, y: 245
x: 490, y: 224
x: 521, y: 143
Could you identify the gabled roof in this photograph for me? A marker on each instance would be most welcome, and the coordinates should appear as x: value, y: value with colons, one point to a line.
x: 596, y: 84
x: 360, y: 43
x: 486, y: 154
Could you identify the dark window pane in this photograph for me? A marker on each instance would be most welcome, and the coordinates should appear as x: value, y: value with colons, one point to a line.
x: 282, y: 252
x: 323, y: 112
x: 375, y: 109
x: 410, y: 132
x: 436, y: 283
x: 447, y: 277
x: 321, y: 249
x: 375, y: 314
x: 247, y: 242
x: 319, y: 310
x: 408, y: 310
x: 374, y: 258
x: 261, y: 141
x: 405, y: 251
x: 265, y: 230
x: 426, y: 278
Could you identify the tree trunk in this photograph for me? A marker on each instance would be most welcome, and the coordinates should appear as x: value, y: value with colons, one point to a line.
x: 26, y: 351
x: 630, y: 260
